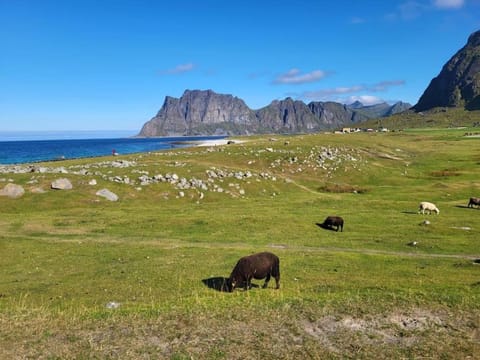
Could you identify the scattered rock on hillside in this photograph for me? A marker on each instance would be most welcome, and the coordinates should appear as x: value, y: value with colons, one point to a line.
x: 62, y: 184
x: 107, y: 194
x: 12, y: 191
x: 37, y: 190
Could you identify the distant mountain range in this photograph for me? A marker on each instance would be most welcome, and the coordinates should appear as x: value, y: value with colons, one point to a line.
x: 204, y: 112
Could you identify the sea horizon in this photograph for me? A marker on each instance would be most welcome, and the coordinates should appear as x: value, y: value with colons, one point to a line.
x: 32, y: 135
x: 22, y: 147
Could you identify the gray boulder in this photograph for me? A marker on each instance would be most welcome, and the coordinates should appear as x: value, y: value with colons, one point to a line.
x: 62, y: 184
x: 12, y: 191
x: 107, y: 194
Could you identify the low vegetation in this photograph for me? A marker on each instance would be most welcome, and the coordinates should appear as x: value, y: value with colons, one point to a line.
x: 84, y: 277
x: 444, y: 117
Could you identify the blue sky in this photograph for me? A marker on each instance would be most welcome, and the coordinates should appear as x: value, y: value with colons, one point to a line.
x: 108, y: 64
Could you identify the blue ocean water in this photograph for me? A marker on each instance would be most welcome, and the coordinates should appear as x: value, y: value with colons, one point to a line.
x: 19, y: 148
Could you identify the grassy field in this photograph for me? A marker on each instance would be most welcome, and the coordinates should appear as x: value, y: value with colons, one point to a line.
x: 83, y: 277
x: 443, y: 117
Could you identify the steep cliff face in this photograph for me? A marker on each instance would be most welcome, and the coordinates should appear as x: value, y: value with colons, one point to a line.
x: 458, y: 84
x: 200, y: 112
x: 333, y: 115
x: 288, y: 116
x: 397, y: 108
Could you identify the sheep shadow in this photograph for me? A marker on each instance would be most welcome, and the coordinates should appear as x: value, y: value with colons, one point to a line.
x: 466, y: 207
x: 410, y: 212
x: 218, y: 283
x: 325, y: 227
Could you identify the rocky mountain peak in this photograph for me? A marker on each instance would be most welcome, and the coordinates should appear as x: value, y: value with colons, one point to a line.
x: 355, y: 105
x: 204, y: 112
x: 474, y: 39
x: 458, y: 84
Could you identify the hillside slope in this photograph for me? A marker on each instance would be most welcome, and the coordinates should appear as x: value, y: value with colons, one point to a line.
x: 458, y: 84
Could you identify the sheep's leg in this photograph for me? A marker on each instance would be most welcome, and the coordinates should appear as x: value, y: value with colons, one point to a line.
x: 266, y: 281
x: 248, y: 283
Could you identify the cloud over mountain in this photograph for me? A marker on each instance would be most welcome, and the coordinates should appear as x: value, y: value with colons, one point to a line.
x: 324, y: 94
x: 295, y: 76
x: 449, y: 4
x: 179, y: 69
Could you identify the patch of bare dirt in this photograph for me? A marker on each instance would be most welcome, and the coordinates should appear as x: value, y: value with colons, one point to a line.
x: 250, y: 334
x: 400, y: 329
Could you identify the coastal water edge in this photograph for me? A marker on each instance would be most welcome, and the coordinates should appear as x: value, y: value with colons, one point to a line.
x: 21, y: 148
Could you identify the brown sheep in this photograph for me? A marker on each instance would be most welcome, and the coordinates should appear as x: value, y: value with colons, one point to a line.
x: 257, y: 266
x: 332, y: 221
x: 474, y: 201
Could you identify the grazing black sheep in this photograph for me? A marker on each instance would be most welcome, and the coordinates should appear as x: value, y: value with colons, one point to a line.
x: 332, y: 221
x: 474, y: 201
x: 257, y: 266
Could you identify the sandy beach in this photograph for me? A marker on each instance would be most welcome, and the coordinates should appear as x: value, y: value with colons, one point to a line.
x: 218, y: 142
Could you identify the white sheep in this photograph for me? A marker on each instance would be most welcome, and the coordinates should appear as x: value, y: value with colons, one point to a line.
x: 427, y: 206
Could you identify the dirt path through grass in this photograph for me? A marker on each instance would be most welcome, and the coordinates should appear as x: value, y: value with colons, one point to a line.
x: 175, y: 244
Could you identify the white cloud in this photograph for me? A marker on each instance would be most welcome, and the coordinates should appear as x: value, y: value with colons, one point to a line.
x: 294, y: 76
x: 179, y: 69
x: 364, y: 99
x: 448, y: 4
x: 325, y: 93
x: 323, y: 96
x: 410, y: 10
x: 384, y: 85
x: 340, y: 94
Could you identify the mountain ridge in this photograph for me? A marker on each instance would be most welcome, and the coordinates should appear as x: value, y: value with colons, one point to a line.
x: 205, y: 112
x: 458, y: 83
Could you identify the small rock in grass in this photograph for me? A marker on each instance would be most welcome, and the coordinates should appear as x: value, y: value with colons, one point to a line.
x: 112, y: 305
x: 107, y: 194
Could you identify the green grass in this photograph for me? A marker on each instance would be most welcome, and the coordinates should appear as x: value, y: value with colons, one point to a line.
x: 360, y: 293
x: 437, y: 118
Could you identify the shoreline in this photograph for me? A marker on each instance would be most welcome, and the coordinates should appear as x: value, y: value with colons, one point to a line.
x: 213, y: 142
x: 219, y: 142
x: 29, y: 152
